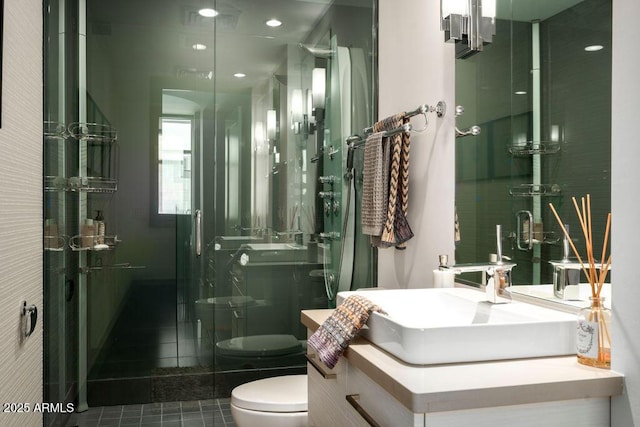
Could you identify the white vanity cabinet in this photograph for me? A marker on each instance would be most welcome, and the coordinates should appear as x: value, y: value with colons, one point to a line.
x: 328, y: 405
x: 370, y: 387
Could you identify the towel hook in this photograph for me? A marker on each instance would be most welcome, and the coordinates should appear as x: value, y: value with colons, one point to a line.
x: 426, y: 121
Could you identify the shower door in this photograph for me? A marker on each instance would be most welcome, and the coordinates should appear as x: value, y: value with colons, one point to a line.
x: 259, y: 243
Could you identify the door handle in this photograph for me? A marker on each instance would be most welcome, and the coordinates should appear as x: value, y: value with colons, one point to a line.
x: 521, y: 230
x: 198, y: 218
x: 30, y: 316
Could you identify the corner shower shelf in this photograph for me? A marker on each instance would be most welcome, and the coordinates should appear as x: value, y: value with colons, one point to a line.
x: 54, y: 243
x: 92, y: 184
x: 529, y: 148
x: 77, y: 245
x: 55, y: 183
x: 86, y: 184
x: 93, y: 132
x: 54, y: 131
x: 531, y: 190
x: 548, y: 238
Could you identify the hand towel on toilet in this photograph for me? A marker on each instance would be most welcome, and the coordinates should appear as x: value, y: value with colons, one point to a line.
x: 336, y: 332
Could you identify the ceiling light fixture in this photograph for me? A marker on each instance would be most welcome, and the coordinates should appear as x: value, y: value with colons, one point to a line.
x: 594, y: 48
x: 520, y: 92
x: 239, y: 75
x: 273, y: 22
x: 199, y: 46
x: 207, y: 12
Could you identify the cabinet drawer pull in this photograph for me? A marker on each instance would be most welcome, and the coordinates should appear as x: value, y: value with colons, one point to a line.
x: 354, y: 400
x: 326, y: 375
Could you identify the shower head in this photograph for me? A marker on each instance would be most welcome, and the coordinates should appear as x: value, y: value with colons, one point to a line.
x: 318, y: 52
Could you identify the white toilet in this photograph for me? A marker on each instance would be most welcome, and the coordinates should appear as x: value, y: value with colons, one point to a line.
x: 259, y: 351
x: 271, y: 402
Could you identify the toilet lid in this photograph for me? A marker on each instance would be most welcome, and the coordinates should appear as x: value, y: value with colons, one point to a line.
x: 259, y: 345
x: 278, y: 394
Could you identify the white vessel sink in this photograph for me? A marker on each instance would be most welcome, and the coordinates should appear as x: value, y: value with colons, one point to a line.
x: 452, y: 325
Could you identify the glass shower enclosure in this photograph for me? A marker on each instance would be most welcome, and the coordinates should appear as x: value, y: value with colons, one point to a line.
x: 195, y: 182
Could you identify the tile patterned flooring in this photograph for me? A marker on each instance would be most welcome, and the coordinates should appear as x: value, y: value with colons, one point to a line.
x: 200, y: 413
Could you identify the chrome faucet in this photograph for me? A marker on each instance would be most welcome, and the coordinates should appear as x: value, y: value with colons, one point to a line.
x: 566, y: 274
x: 496, y: 274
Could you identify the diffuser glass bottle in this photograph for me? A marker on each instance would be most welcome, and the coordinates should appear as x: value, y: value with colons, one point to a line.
x: 594, y: 334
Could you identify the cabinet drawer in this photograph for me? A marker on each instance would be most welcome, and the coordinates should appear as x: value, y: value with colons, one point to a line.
x: 381, y: 406
x: 328, y: 405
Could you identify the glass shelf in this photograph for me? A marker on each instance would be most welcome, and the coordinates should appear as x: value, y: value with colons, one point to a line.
x: 529, y: 148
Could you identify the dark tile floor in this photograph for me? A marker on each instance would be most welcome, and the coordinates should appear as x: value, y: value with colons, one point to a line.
x: 154, y: 338
x: 200, y: 413
x: 149, y: 336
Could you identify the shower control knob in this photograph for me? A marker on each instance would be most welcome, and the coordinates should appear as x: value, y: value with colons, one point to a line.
x: 326, y: 194
x: 336, y: 207
x: 459, y: 110
x: 329, y: 179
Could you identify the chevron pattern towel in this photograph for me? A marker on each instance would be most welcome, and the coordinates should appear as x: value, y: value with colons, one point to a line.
x: 335, y: 334
x: 396, y: 230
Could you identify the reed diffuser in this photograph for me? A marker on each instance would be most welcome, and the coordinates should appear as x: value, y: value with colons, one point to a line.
x: 593, y: 332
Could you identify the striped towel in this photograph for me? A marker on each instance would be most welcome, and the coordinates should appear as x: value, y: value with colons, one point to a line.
x: 397, y: 230
x: 375, y: 184
x: 334, y: 335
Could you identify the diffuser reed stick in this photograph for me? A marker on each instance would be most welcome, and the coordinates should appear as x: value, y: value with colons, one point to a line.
x: 594, y: 340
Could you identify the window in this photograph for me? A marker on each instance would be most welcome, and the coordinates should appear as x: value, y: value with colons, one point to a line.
x: 174, y: 165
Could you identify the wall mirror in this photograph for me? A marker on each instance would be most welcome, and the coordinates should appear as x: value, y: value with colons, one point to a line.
x: 541, y: 93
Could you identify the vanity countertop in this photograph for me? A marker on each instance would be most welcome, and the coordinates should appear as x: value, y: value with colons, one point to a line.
x: 459, y: 386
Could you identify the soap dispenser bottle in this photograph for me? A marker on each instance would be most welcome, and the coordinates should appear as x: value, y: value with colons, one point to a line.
x: 443, y: 276
x: 98, y: 223
x: 87, y: 233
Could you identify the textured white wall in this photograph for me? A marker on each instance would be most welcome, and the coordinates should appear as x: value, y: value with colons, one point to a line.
x: 625, y: 208
x: 417, y: 67
x: 21, y: 206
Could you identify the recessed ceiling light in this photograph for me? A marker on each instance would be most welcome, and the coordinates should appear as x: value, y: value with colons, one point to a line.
x: 594, y: 48
x: 239, y: 75
x: 273, y: 23
x: 199, y: 46
x: 520, y: 92
x: 207, y: 12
